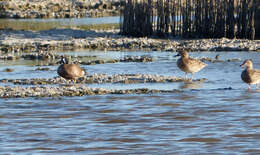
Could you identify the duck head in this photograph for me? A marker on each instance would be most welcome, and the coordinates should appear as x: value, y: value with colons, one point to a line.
x: 247, y: 63
x: 217, y: 57
x: 182, y: 54
x: 63, y: 60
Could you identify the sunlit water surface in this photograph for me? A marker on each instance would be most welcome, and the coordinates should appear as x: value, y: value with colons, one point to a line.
x: 202, y: 118
x: 67, y: 21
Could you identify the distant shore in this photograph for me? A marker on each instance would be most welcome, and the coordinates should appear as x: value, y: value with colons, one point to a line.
x: 58, y: 8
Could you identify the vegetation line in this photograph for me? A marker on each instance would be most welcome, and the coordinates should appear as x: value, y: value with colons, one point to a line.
x: 190, y: 18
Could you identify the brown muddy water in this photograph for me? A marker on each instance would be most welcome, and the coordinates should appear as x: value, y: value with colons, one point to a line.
x: 218, y: 116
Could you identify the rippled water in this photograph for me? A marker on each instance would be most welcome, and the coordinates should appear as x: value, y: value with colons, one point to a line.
x: 67, y: 21
x: 203, y: 118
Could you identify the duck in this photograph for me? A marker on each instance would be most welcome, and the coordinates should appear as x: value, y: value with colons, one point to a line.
x: 69, y: 71
x: 188, y: 64
x: 217, y: 57
x: 250, y: 75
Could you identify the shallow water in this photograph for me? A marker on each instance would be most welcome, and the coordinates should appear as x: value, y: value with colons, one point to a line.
x: 67, y: 21
x: 203, y: 118
x: 45, y: 24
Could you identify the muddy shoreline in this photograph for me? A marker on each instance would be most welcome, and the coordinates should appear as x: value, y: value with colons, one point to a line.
x: 12, y: 41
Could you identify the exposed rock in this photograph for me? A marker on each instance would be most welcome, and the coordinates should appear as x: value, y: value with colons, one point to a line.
x: 41, y: 56
x: 8, y: 70
x: 42, y: 69
x: 219, y: 60
x: 143, y: 58
x: 9, y: 57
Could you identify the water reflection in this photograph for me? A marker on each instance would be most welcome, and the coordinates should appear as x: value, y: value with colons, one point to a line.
x: 191, y: 85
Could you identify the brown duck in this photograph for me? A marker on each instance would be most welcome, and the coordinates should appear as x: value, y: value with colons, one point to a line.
x: 69, y: 71
x: 250, y: 75
x: 188, y: 64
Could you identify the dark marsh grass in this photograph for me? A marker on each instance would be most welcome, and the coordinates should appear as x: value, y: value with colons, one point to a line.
x: 189, y: 18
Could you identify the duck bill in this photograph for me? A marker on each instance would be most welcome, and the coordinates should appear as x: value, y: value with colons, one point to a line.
x: 242, y: 65
x: 177, y: 55
x: 59, y: 62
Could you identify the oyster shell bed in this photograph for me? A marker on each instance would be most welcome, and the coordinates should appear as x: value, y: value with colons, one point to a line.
x: 17, y: 92
x: 52, y: 58
x: 58, y: 8
x: 100, y: 78
x: 44, y: 87
x: 70, y: 39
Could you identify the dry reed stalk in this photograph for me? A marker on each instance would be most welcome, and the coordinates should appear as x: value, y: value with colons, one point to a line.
x: 190, y: 18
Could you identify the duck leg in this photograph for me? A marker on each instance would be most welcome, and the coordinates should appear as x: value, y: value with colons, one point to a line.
x: 67, y: 82
x: 256, y: 86
x: 192, y: 75
x: 64, y: 81
x: 186, y: 76
x: 249, y: 87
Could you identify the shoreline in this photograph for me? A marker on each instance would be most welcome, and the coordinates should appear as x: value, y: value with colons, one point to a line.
x: 12, y: 41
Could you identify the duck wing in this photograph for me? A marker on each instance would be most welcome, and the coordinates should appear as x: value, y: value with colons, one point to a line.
x: 70, y: 71
x: 191, y: 65
x: 255, y: 74
x: 193, y: 61
x: 74, y: 70
x: 195, y: 64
